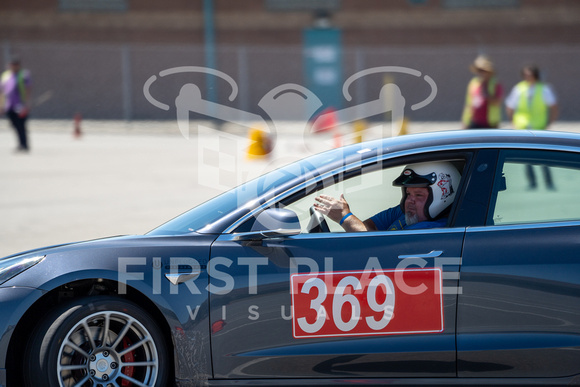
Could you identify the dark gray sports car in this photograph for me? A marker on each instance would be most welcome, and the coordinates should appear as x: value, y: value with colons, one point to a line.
x: 257, y: 287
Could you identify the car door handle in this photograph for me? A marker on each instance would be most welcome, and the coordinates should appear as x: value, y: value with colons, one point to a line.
x: 432, y: 254
x: 179, y: 278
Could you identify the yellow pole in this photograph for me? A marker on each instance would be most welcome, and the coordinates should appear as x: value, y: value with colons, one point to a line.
x: 359, y: 127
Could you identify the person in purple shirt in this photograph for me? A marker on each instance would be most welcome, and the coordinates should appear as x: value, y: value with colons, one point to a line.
x: 428, y: 191
x: 15, y: 90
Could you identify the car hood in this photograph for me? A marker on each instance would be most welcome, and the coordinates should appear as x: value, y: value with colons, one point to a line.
x: 109, y: 242
x: 64, y: 246
x: 100, y: 258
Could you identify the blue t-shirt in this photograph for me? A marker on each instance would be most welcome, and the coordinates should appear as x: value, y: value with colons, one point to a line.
x: 394, y: 219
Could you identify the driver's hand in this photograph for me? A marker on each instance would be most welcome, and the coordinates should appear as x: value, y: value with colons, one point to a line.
x: 335, y: 209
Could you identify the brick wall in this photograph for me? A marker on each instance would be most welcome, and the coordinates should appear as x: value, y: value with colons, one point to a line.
x: 364, y: 22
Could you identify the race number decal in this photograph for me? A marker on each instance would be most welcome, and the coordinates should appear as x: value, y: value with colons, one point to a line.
x: 360, y: 303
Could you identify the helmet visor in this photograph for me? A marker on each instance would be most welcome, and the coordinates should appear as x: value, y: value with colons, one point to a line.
x: 411, y: 179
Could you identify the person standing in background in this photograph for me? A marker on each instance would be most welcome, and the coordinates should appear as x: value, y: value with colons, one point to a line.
x: 532, y: 104
x: 15, y: 90
x: 482, y: 108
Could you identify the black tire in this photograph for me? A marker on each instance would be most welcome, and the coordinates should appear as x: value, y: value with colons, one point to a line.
x: 98, y: 358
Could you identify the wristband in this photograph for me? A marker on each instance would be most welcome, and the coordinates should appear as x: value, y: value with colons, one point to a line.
x: 344, y: 218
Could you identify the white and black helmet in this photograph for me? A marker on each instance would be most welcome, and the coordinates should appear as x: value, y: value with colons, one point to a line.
x: 440, y: 178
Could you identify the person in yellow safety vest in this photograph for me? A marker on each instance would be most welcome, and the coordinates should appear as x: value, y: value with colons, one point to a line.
x: 532, y: 104
x: 482, y: 108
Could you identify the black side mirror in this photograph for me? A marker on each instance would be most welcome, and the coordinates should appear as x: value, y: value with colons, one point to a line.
x: 272, y: 222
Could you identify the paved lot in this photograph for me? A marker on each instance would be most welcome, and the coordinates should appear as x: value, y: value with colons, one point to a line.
x: 116, y: 179
x: 125, y: 178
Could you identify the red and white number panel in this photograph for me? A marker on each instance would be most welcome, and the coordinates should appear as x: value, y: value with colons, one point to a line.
x: 358, y: 303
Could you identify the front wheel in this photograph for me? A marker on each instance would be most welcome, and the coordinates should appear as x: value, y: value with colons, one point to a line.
x: 97, y: 341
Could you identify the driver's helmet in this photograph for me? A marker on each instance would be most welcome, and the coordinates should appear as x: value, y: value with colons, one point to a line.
x: 440, y: 178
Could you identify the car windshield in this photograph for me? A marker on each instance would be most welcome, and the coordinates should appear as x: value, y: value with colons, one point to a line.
x: 247, y: 196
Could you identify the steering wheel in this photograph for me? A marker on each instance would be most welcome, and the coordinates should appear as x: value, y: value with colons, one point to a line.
x: 317, y: 222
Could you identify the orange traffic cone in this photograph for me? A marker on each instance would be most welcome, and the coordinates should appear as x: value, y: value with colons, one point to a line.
x: 77, y: 133
x: 260, y: 144
x: 337, y: 139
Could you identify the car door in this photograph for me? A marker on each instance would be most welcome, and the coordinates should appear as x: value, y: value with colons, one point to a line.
x: 336, y: 304
x: 519, y: 306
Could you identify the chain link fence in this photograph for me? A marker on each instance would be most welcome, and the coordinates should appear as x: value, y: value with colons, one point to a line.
x: 107, y: 81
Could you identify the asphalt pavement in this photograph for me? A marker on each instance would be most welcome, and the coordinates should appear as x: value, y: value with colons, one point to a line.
x: 122, y: 178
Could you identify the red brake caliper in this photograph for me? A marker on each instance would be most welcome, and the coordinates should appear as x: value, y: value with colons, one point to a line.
x: 128, y: 358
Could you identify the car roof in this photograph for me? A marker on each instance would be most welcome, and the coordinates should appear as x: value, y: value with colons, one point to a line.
x: 503, y: 138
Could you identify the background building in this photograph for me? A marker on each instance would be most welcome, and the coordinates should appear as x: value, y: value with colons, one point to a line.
x: 94, y: 56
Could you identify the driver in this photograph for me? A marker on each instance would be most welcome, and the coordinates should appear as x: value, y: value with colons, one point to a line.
x: 428, y: 191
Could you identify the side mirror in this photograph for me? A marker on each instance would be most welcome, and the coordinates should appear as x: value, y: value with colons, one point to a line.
x: 273, y: 222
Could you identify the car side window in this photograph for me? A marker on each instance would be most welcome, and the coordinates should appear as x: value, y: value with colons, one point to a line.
x: 536, y: 186
x: 366, y: 194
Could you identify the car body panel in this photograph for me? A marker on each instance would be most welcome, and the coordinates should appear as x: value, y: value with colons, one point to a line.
x: 519, y: 311
x: 252, y: 346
